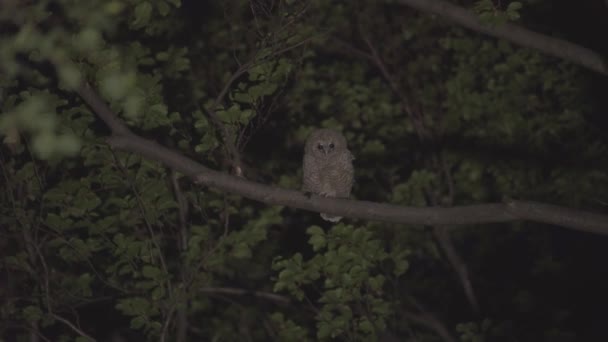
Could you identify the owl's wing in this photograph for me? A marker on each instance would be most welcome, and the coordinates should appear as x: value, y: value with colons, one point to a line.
x: 310, y: 174
x: 344, y: 175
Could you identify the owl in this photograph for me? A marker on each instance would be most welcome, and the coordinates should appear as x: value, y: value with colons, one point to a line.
x: 328, y: 166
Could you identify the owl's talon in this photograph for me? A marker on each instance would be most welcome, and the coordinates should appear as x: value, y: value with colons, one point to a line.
x: 308, y: 194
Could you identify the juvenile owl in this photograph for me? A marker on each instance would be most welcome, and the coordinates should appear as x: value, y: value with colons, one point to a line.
x: 328, y: 166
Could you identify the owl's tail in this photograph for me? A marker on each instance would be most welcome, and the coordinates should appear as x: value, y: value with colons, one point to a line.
x: 330, y: 218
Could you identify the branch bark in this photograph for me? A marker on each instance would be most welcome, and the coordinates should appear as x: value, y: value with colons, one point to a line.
x: 459, y: 215
x: 460, y: 267
x: 125, y: 140
x: 515, y: 34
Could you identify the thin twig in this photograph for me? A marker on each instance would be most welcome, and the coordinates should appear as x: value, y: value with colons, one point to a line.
x: 47, y: 292
x: 460, y: 267
x: 166, y: 323
x: 430, y: 322
x: 415, y: 117
x: 73, y: 327
x: 181, y: 315
x: 182, y: 211
x: 229, y: 144
x: 142, y: 210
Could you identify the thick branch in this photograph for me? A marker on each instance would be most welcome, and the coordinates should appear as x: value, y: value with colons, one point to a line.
x: 101, y: 109
x: 461, y: 215
x: 123, y: 139
x: 515, y: 34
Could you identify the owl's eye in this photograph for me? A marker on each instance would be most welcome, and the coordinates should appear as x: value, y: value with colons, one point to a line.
x: 331, y: 145
x: 320, y: 147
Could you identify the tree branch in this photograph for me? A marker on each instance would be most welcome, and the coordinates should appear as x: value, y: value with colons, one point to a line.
x: 460, y: 215
x: 426, y: 318
x: 431, y: 323
x: 124, y: 140
x: 232, y: 147
x: 73, y: 327
x: 101, y: 109
x: 460, y: 267
x: 515, y: 34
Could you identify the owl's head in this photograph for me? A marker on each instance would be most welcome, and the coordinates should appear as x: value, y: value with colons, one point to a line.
x: 325, y: 142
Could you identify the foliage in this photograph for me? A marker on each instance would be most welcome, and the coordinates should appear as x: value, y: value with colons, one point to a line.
x: 490, y: 13
x: 102, y: 243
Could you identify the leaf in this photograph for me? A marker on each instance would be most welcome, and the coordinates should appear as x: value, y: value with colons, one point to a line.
x: 317, y: 242
x: 32, y: 313
x: 400, y: 267
x: 43, y: 145
x: 133, y: 106
x: 134, y: 306
x: 163, y: 8
x: 114, y: 7
x: 88, y: 39
x: 514, y: 6
x: 159, y: 109
x: 138, y: 322
x: 57, y: 222
x: 117, y: 85
x: 143, y: 13
x: 162, y: 56
x: 151, y: 272
x: 67, y: 145
x: 315, y: 230
x: 70, y: 75
x: 241, y: 251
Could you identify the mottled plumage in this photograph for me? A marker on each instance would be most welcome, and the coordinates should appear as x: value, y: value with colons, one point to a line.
x: 328, y: 166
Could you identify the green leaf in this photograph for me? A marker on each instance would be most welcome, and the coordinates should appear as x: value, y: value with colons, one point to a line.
x: 67, y: 144
x: 151, y: 272
x: 138, y: 322
x: 32, y: 314
x: 163, y: 8
x: 317, y: 242
x: 114, y: 7
x: 514, y: 6
x: 162, y: 56
x: 57, y: 222
x: 134, y: 105
x: 43, y: 145
x: 88, y: 39
x: 400, y: 267
x: 241, y: 251
x: 70, y: 75
x: 373, y: 147
x: 117, y: 85
x: 143, y: 13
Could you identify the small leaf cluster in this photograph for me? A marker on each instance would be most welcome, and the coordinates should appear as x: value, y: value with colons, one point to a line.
x: 346, y: 268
